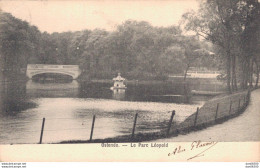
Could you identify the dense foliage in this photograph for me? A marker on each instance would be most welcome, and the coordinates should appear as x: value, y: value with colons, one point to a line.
x: 233, y: 26
x: 136, y: 49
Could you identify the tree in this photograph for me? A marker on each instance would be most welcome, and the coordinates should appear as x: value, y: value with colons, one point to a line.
x: 18, y: 41
x: 224, y: 23
x: 190, y: 45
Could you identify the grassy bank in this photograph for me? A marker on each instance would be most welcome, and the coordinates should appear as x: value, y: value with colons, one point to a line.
x: 131, y: 82
x: 170, y: 80
x: 214, y: 111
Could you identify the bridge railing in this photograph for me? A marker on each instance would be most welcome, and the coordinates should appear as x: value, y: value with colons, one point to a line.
x: 49, y: 66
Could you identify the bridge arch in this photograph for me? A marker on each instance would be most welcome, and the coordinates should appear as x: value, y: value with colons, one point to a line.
x: 51, y: 72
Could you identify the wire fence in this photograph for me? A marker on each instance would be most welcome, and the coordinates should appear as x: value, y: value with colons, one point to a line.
x: 213, y: 112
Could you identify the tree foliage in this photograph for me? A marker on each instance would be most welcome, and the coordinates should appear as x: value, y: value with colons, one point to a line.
x: 136, y: 49
x: 233, y: 26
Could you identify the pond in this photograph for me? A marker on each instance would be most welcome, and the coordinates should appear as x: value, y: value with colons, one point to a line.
x: 68, y: 109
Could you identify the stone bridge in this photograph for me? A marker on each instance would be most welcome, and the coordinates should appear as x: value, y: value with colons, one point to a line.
x: 35, y: 69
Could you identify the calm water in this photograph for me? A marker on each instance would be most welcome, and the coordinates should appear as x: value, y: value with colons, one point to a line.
x: 69, y: 107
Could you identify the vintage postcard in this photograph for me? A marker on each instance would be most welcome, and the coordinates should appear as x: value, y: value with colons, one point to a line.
x: 129, y: 81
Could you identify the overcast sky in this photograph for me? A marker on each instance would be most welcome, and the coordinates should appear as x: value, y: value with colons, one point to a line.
x: 59, y: 16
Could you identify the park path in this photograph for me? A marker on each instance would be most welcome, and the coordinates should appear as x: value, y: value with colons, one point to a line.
x: 245, y: 127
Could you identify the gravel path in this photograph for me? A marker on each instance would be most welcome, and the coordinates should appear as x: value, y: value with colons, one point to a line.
x: 245, y: 127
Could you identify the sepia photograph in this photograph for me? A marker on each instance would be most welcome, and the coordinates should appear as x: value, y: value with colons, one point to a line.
x: 171, y: 78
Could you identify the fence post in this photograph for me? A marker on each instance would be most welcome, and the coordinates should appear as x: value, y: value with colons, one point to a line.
x: 196, y: 116
x: 248, y: 96
x: 43, y: 122
x: 216, y: 116
x: 92, y: 127
x: 133, y: 131
x: 230, y: 107
x: 170, y: 122
x: 238, y: 105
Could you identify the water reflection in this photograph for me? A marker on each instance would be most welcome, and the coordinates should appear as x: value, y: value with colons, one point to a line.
x: 119, y: 94
x: 13, y: 97
x: 69, y: 107
x: 148, y: 92
x: 52, y: 89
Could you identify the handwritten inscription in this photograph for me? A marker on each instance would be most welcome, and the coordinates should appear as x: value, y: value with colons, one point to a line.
x: 194, y: 146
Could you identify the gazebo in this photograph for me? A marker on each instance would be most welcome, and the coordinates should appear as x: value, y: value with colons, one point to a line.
x: 119, y: 82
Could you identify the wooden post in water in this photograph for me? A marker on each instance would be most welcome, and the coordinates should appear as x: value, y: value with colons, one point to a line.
x: 230, y: 107
x: 133, y: 131
x: 170, y: 123
x: 43, y: 122
x: 92, y: 127
x: 196, y: 116
x: 216, y: 116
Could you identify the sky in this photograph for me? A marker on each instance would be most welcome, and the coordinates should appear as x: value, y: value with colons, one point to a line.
x: 61, y: 15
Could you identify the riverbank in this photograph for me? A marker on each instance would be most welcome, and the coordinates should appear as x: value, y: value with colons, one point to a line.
x: 215, y: 111
x: 169, y: 80
x: 130, y: 82
x: 13, y: 97
x: 243, y: 128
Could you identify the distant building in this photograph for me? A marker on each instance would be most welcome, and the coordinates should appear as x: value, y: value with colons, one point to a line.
x: 119, y: 82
